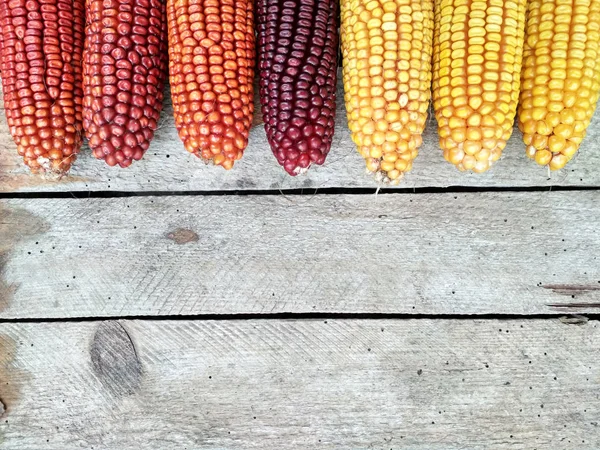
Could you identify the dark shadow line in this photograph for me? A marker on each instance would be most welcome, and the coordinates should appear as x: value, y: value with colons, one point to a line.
x: 308, y: 316
x: 295, y: 192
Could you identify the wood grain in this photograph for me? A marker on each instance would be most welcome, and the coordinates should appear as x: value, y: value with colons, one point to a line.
x: 370, y: 384
x: 168, y: 167
x: 468, y: 253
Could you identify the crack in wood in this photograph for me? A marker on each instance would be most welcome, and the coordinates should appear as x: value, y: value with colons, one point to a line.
x: 574, y: 305
x: 572, y: 289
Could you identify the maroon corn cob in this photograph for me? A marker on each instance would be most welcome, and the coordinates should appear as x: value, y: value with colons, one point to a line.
x: 42, y: 44
x: 297, y: 49
x: 124, y: 70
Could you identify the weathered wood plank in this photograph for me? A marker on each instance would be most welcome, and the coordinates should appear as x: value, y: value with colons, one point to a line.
x: 382, y: 384
x: 168, y: 167
x: 469, y: 253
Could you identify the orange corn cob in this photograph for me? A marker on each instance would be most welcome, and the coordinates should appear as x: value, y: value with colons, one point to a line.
x: 42, y: 44
x: 211, y: 68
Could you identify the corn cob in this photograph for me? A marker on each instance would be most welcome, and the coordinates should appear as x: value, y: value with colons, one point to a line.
x: 1, y: 38
x: 561, y: 78
x: 297, y: 51
x: 41, y: 79
x: 386, y: 47
x: 478, y: 48
x: 124, y: 70
x: 211, y: 69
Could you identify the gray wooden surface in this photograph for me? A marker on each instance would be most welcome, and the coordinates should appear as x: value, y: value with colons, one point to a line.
x: 467, y: 253
x: 367, y: 384
x: 168, y: 167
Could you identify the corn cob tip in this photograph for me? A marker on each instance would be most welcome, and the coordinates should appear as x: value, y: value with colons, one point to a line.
x: 383, y: 177
x: 300, y: 171
x: 50, y: 169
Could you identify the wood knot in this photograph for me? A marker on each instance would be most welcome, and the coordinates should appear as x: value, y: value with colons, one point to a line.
x: 182, y: 236
x: 114, y: 359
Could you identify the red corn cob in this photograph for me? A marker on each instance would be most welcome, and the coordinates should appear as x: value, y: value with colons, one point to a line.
x: 211, y: 68
x: 42, y: 44
x: 124, y: 70
x: 297, y: 50
x: 1, y: 39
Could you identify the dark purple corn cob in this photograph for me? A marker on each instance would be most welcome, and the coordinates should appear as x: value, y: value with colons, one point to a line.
x: 297, y: 51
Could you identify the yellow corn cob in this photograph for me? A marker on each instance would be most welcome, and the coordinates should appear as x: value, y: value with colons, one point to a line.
x: 386, y: 46
x: 561, y: 78
x: 477, y: 55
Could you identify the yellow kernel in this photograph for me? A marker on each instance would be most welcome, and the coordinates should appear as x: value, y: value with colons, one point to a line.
x: 402, y: 165
x: 392, y: 136
x: 539, y: 141
x: 390, y: 156
x: 488, y: 132
x: 558, y: 162
x: 376, y: 60
x: 563, y: 130
x: 375, y: 152
x: 553, y: 119
x: 471, y: 147
x: 459, y: 134
x: 378, y: 138
x: 390, y: 95
x: 543, y: 157
x: 556, y: 143
x: 483, y: 154
x: 474, y: 120
x: 543, y: 128
x: 369, y: 127
x: 456, y: 122
x: 378, y: 102
x: 469, y: 162
x: 474, y: 134
x: 394, y: 175
x: 387, y: 166
x: 381, y: 125
x: 392, y: 116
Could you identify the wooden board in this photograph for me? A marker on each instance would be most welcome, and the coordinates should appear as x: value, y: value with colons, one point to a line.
x: 168, y: 167
x: 468, y: 253
x: 371, y: 384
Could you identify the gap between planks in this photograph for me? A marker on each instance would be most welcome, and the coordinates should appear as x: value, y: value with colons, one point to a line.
x: 569, y: 318
x: 307, y: 192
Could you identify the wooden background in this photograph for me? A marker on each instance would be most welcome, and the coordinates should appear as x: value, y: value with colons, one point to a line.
x: 174, y: 305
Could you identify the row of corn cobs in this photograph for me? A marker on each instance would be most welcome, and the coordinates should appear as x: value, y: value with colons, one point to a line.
x: 98, y: 68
